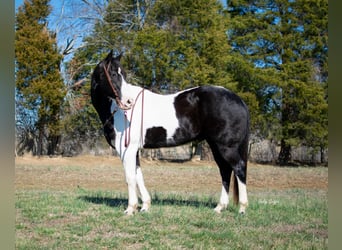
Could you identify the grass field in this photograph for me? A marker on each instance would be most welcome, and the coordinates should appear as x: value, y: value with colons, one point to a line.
x: 78, y: 203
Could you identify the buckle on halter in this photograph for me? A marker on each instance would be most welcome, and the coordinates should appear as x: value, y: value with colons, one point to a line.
x: 127, y: 103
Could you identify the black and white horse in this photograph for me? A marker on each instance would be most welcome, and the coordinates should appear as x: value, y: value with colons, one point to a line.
x: 133, y: 117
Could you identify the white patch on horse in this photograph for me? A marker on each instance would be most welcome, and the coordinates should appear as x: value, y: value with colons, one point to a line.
x: 242, y: 196
x: 145, y: 196
x: 161, y: 113
x: 224, y: 200
x: 161, y: 110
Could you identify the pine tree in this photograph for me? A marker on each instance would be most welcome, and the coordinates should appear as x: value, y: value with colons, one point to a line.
x: 286, y: 39
x: 38, y: 79
x: 185, y: 45
x: 168, y: 45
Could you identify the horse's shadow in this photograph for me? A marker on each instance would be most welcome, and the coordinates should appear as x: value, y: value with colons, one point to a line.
x: 156, y: 200
x: 111, y: 202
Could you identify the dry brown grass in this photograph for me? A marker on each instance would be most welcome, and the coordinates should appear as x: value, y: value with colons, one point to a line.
x: 105, y: 172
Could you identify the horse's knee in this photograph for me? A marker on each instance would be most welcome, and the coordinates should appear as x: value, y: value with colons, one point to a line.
x: 131, y: 180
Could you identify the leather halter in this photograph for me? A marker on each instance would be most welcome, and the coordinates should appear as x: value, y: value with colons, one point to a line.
x: 125, y: 108
x: 115, y: 92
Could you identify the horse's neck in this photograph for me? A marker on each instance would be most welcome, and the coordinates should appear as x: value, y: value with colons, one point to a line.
x: 129, y: 90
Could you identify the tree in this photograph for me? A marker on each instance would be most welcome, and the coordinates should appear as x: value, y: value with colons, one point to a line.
x: 38, y: 80
x: 184, y: 44
x: 287, y: 42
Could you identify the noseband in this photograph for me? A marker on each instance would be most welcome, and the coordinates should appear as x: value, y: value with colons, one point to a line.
x: 115, y: 92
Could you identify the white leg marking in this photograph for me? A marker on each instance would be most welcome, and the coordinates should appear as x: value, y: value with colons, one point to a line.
x: 130, y: 172
x: 224, y: 200
x: 242, y: 196
x: 143, y: 191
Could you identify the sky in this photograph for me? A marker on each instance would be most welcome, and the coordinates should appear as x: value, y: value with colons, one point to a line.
x: 62, y: 21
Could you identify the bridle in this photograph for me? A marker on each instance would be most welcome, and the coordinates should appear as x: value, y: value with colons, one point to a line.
x: 115, y: 92
x: 124, y: 107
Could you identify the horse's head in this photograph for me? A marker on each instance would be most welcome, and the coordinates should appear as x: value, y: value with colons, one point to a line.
x: 106, y: 82
x: 107, y: 76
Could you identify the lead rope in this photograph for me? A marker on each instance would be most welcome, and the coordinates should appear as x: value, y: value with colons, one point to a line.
x: 128, y: 132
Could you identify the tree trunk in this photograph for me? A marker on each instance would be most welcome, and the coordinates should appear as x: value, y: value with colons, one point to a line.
x: 206, y: 154
x: 284, y: 157
x: 53, y: 144
x: 40, y: 142
x: 322, y: 155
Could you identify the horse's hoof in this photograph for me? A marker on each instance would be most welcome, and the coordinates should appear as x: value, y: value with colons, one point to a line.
x: 242, y: 209
x: 143, y: 210
x: 146, y: 206
x: 219, y: 208
x: 130, y: 211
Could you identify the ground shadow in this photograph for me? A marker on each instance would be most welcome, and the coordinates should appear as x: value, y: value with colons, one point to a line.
x: 111, y: 202
x: 156, y: 200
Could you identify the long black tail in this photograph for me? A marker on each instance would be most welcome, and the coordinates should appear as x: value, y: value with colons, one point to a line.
x: 243, y: 151
x: 235, y: 190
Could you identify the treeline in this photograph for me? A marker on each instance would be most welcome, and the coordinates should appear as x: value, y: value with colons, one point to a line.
x: 272, y: 53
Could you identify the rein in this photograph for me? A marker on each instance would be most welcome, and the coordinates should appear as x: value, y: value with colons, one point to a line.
x: 128, y: 133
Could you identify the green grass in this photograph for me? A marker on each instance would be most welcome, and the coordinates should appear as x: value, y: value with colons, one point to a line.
x: 88, y: 219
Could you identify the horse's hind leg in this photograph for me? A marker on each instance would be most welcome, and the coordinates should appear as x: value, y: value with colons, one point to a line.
x: 224, y: 198
x: 240, y: 172
x: 145, y: 197
x: 228, y: 159
x: 225, y: 171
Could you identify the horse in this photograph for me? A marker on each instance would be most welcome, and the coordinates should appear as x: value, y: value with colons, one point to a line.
x: 134, y: 117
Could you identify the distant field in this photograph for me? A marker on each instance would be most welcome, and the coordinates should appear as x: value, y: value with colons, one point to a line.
x: 78, y: 203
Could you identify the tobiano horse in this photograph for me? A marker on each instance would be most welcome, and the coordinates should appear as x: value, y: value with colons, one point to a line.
x: 134, y: 118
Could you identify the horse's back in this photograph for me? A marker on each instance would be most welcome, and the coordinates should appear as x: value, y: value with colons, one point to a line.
x: 211, y: 113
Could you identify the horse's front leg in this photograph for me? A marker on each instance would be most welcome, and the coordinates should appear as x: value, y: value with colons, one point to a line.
x: 145, y: 196
x: 129, y: 164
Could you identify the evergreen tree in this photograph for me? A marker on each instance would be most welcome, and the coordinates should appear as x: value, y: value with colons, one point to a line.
x: 168, y: 45
x: 38, y: 80
x: 287, y: 42
x: 184, y: 44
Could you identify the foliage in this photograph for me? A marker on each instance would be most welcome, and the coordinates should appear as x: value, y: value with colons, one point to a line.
x: 166, y: 49
x: 81, y: 125
x: 38, y: 80
x: 287, y: 43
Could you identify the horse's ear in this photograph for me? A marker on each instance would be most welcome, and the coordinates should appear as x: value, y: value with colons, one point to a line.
x: 118, y: 58
x: 109, y: 56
